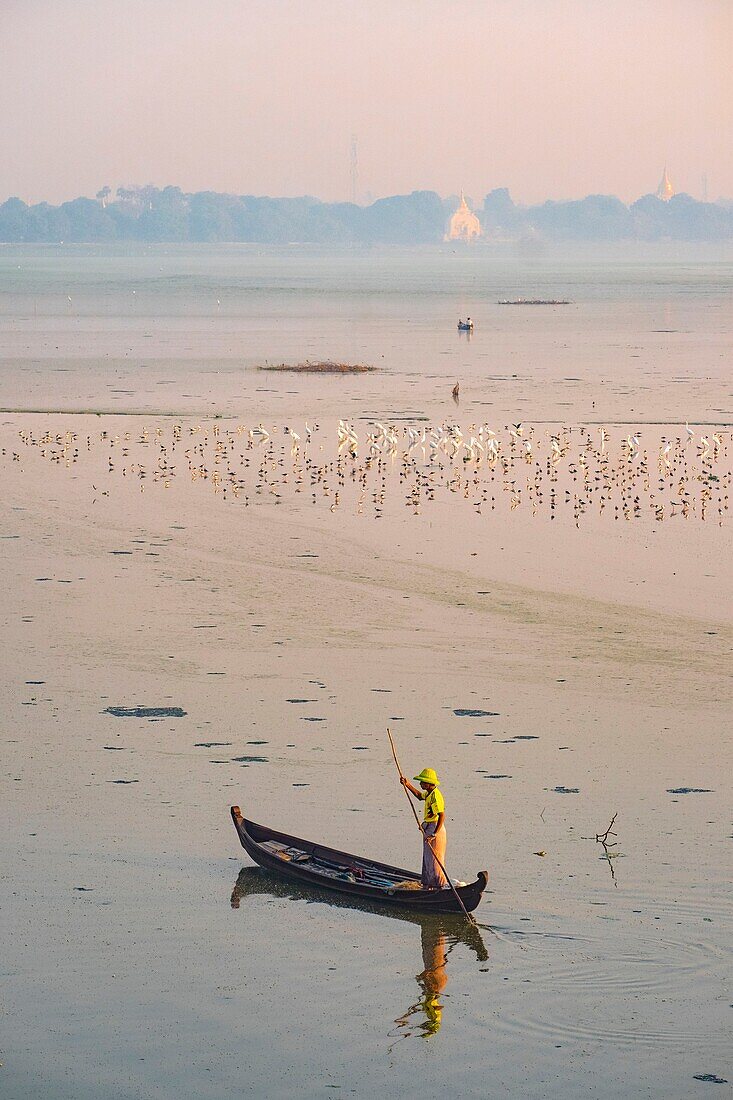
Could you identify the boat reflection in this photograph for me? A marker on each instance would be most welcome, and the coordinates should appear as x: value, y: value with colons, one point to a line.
x: 439, y: 934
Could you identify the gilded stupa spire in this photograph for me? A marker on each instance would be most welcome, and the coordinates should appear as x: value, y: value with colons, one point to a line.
x: 665, y: 191
x: 464, y: 225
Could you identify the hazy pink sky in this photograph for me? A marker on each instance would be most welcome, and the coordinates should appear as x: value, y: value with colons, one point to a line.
x: 551, y: 98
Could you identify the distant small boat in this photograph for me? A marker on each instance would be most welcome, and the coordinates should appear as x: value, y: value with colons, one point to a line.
x: 465, y: 326
x: 327, y: 868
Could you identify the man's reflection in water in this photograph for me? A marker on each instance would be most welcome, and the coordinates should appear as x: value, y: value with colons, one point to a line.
x: 438, y: 935
x: 432, y: 982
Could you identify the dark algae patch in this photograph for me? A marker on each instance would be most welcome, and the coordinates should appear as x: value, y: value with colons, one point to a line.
x: 566, y: 790
x: 146, y: 712
x: 689, y: 790
x: 466, y: 712
x: 710, y: 1078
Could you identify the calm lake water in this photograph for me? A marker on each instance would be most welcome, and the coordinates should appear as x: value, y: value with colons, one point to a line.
x: 554, y: 674
x: 647, y: 334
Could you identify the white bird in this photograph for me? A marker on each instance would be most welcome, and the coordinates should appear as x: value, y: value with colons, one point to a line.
x: 690, y: 433
x: 493, y: 446
x: 631, y: 443
x: 456, y: 438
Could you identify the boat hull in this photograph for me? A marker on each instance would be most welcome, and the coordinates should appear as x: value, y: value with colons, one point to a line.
x: 252, y: 837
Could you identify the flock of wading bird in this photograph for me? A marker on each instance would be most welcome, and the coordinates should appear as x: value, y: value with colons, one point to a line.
x: 663, y: 474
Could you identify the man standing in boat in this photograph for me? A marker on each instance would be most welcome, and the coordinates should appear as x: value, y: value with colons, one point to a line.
x: 433, y: 827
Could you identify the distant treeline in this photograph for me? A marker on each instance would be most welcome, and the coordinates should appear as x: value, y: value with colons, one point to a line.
x: 168, y: 214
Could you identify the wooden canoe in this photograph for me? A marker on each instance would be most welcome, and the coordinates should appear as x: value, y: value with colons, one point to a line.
x: 314, y: 864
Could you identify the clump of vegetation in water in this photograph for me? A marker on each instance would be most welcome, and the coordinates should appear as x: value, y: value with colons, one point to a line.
x: 324, y: 366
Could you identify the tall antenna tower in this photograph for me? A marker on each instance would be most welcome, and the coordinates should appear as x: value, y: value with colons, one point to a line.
x: 354, y: 163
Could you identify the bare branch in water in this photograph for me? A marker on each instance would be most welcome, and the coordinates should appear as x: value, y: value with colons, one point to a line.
x: 602, y: 838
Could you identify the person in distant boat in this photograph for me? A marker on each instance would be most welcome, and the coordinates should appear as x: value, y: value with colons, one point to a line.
x: 433, y: 827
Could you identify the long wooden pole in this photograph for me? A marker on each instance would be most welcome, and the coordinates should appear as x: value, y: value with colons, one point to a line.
x: 466, y: 913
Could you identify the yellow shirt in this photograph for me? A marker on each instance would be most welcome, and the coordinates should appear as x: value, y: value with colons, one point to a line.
x: 434, y: 804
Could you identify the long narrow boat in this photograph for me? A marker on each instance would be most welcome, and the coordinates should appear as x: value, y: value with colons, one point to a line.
x: 329, y: 869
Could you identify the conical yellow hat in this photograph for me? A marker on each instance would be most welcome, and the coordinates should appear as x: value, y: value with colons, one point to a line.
x: 427, y: 775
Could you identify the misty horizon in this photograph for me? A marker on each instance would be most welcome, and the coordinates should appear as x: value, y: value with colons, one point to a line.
x: 362, y: 200
x: 558, y: 99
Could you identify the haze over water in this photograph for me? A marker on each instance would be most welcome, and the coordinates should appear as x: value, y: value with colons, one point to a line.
x: 556, y: 670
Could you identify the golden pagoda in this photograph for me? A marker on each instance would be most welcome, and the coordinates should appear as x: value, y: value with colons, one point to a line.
x: 464, y: 225
x: 665, y: 191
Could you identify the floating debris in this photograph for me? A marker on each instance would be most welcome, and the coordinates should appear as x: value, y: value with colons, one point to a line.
x: 323, y: 366
x: 534, y: 302
x: 468, y: 713
x: 146, y: 712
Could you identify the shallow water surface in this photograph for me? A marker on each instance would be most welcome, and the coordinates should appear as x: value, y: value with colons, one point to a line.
x: 172, y: 647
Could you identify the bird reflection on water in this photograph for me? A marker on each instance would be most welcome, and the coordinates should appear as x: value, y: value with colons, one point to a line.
x: 439, y: 934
